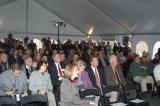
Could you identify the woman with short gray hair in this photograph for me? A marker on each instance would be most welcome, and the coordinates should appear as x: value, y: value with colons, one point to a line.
x: 83, y: 78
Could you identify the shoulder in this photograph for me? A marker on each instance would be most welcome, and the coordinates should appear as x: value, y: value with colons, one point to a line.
x: 88, y: 68
x: 47, y: 74
x: 108, y: 67
x: 5, y: 74
x: 84, y: 73
x: 23, y: 67
x: 65, y: 83
x: 34, y: 73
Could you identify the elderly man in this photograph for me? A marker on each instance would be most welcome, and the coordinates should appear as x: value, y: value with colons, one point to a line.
x: 27, y: 67
x: 13, y: 81
x: 114, y: 77
x: 140, y: 74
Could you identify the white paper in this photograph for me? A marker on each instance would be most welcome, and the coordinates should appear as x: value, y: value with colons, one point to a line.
x: 137, y: 101
x: 18, y: 97
x: 118, y: 104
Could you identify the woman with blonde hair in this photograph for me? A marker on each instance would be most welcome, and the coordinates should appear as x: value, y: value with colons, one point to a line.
x: 69, y: 90
x: 75, y: 58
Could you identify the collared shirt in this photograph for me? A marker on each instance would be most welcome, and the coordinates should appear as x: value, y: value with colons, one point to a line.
x: 28, y: 67
x: 96, y: 70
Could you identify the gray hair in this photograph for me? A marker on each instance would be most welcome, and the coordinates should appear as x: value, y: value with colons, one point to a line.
x: 111, y: 56
x: 81, y: 63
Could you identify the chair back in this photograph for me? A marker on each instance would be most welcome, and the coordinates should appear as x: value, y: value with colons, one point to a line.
x: 35, y: 98
x: 8, y: 101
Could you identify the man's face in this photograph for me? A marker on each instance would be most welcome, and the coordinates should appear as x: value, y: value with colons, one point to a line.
x: 138, y: 60
x: 94, y: 62
x: 4, y: 58
x: 16, y: 73
x: 57, y: 58
x: 113, y: 61
x: 15, y: 52
x: 62, y: 56
x: 28, y: 62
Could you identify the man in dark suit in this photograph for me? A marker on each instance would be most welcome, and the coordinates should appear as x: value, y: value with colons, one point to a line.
x: 97, y: 77
x: 95, y: 73
x: 102, y: 60
x: 27, y: 66
x: 55, y: 70
x: 13, y: 57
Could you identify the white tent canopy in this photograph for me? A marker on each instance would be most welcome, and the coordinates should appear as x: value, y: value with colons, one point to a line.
x: 106, y: 17
x: 110, y: 19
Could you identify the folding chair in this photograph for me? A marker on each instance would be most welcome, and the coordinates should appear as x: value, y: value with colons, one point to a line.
x: 155, y: 86
x: 34, y: 99
x: 110, y: 88
x: 87, y: 92
x: 128, y: 92
x: 8, y: 101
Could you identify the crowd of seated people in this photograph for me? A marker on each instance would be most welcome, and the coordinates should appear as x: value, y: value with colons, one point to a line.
x: 54, y: 69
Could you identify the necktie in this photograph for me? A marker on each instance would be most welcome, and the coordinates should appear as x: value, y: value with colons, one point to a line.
x: 60, y: 71
x: 117, y: 78
x: 29, y: 70
x: 97, y: 79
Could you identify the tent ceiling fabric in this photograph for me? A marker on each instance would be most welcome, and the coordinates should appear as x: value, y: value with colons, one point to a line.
x: 5, y: 2
x: 106, y: 16
x: 82, y: 14
x: 138, y: 15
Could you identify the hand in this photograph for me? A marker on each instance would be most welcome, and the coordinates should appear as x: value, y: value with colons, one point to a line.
x: 93, y: 103
x: 10, y: 93
x: 104, y: 86
x: 41, y: 91
x: 24, y: 94
x: 61, y: 78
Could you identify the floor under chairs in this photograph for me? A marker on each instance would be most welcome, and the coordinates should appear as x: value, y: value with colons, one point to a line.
x: 31, y: 100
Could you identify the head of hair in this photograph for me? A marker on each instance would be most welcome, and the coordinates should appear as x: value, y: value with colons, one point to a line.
x: 54, y: 54
x: 81, y: 63
x: 111, y: 56
x: 40, y: 63
x: 75, y: 58
x: 15, y: 66
x: 27, y: 57
x: 70, y: 68
x: 93, y: 56
x: 135, y: 56
x: 61, y: 52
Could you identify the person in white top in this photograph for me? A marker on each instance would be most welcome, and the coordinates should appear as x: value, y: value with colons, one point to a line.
x: 156, y: 73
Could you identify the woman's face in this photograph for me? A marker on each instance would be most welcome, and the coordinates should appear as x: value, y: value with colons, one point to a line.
x: 75, y: 74
x: 81, y: 69
x: 43, y: 67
